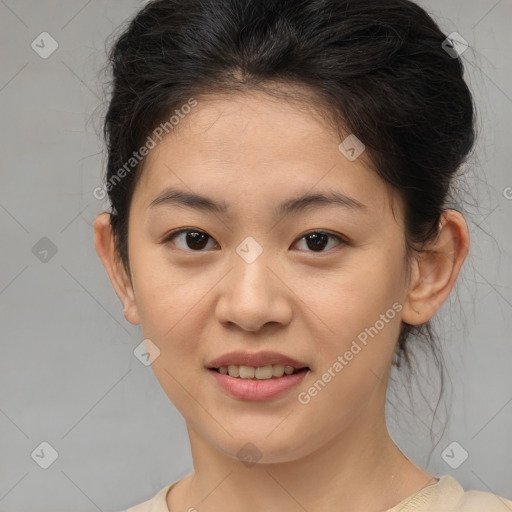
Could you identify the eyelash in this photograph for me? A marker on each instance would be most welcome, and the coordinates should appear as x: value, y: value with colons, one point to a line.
x: 170, y: 236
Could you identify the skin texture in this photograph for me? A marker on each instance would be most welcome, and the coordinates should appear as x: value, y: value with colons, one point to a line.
x: 335, y: 452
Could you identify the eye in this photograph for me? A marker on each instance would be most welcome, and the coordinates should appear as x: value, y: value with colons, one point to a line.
x: 317, y: 240
x: 195, y: 239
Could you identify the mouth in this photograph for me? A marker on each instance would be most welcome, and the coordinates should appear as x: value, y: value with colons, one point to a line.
x: 256, y: 376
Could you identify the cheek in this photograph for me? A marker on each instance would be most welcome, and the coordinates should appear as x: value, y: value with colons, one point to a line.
x: 174, y: 300
x: 171, y: 310
x: 164, y: 294
x: 354, y: 297
x: 362, y: 309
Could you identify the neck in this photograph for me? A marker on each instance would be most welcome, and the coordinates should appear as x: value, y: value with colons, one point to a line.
x: 361, y: 468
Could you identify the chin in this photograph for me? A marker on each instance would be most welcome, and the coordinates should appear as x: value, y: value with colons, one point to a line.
x: 259, y: 448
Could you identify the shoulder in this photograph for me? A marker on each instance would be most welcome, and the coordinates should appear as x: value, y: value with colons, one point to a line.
x: 447, y: 495
x: 157, y: 503
x: 478, y: 501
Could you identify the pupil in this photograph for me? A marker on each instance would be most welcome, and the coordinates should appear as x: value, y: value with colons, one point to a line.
x: 193, y: 239
x: 315, y: 239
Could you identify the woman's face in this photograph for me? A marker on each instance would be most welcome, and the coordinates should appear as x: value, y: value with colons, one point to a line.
x: 250, y: 279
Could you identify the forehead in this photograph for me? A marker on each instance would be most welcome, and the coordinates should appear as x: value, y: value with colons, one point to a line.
x: 255, y: 144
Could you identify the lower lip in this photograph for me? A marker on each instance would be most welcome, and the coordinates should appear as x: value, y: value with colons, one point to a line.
x: 256, y: 389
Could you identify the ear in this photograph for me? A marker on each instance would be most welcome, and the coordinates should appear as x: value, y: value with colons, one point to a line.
x: 435, y: 271
x: 105, y: 247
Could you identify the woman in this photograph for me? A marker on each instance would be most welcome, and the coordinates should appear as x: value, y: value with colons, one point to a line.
x: 279, y: 173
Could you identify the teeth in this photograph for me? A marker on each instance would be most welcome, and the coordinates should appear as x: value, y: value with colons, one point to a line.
x: 234, y: 371
x: 278, y: 370
x: 261, y: 372
x: 245, y: 372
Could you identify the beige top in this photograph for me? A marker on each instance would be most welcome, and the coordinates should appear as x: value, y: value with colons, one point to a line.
x: 446, y: 495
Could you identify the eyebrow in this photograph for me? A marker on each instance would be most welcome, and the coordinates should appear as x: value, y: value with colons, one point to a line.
x: 171, y: 196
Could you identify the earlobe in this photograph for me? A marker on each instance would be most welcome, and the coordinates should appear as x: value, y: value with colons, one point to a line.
x: 435, y: 271
x: 105, y: 247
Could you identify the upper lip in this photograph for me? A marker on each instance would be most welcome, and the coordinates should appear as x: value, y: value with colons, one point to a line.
x: 255, y: 359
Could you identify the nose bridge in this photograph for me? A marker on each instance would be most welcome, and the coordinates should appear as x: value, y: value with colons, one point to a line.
x: 250, y: 250
x: 250, y: 263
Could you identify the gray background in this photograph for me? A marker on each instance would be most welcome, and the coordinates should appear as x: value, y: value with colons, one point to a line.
x: 68, y: 375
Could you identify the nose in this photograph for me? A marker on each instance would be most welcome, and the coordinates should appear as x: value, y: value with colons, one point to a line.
x: 253, y: 295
